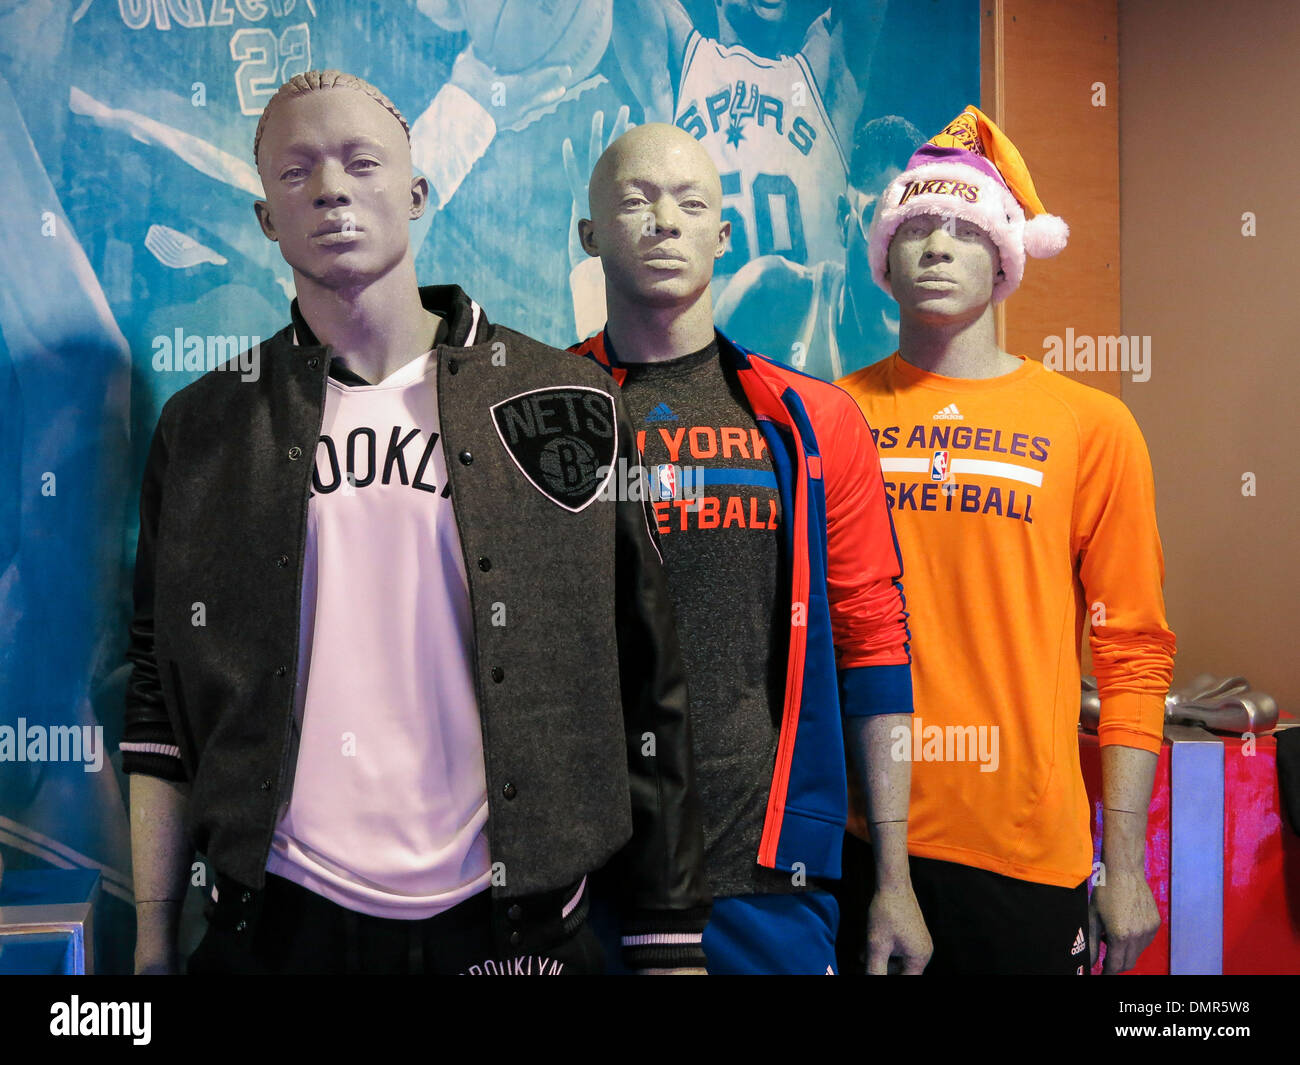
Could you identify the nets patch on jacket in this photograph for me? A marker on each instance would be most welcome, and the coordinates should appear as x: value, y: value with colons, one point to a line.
x: 562, y: 439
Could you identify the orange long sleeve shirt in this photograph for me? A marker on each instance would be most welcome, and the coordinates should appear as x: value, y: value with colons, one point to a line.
x: 1024, y: 506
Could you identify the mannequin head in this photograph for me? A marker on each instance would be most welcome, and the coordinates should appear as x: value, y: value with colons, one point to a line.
x: 335, y: 161
x: 656, y: 217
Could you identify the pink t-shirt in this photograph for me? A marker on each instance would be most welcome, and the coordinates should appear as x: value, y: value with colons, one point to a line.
x: 389, y: 801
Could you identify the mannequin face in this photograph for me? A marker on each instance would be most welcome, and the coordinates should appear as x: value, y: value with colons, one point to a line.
x: 942, y: 268
x: 336, y: 167
x: 656, y: 217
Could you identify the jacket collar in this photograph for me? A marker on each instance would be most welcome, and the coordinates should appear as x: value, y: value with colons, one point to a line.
x: 761, y: 382
x: 601, y: 348
x: 467, y: 325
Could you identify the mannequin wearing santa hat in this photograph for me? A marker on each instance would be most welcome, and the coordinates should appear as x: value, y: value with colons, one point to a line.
x: 1024, y: 506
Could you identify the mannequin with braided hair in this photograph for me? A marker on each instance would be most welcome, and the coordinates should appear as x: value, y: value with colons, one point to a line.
x: 331, y: 735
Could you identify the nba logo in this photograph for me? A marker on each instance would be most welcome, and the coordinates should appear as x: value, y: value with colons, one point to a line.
x: 666, y: 481
x: 939, y: 466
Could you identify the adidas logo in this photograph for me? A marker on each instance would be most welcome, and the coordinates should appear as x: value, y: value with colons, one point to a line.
x: 949, y: 413
x: 1080, y: 944
x: 661, y: 413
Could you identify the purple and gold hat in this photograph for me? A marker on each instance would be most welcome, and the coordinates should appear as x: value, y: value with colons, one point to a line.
x: 971, y: 171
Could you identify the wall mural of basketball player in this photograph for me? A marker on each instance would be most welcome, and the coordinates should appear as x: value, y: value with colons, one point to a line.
x: 773, y: 98
x: 768, y: 97
x: 779, y: 96
x: 64, y: 377
x: 835, y: 319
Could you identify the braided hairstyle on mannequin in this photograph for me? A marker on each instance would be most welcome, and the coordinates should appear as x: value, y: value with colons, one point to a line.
x: 317, y: 80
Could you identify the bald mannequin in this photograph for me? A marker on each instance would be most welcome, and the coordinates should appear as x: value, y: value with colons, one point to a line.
x: 655, y: 200
x: 640, y: 145
x: 655, y: 204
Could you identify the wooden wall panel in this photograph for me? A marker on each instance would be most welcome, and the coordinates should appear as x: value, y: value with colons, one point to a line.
x: 1040, y: 60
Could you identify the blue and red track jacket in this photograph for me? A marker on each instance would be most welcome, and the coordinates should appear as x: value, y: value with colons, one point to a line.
x: 849, y: 652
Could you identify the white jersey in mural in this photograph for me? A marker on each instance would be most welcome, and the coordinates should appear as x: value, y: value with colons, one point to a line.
x: 764, y: 122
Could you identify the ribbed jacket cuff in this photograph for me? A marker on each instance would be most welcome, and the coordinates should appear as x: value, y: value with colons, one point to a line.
x: 665, y: 939
x: 153, y: 760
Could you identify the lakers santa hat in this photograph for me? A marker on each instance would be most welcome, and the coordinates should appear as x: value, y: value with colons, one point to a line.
x: 973, y: 172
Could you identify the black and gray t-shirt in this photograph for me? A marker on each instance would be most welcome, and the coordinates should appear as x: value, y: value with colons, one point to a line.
x: 713, y: 494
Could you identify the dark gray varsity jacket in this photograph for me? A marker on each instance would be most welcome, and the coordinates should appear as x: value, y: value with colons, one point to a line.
x: 581, y: 694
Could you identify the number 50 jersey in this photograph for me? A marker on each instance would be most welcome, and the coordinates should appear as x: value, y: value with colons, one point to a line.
x: 765, y: 124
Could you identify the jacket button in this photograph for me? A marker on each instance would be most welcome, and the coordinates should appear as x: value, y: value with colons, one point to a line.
x: 498, y: 674
x: 466, y: 458
x: 280, y: 671
x: 453, y: 366
x: 485, y: 564
x: 241, y: 926
x: 295, y: 453
x: 246, y: 896
x: 282, y: 561
x: 313, y: 362
x: 265, y: 785
x: 515, y: 912
x: 516, y: 938
x: 508, y: 791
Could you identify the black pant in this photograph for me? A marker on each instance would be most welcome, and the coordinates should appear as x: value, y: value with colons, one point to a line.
x: 293, y: 931
x: 982, y: 923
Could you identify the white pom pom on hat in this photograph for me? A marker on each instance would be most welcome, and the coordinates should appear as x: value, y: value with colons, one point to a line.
x: 1046, y: 235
